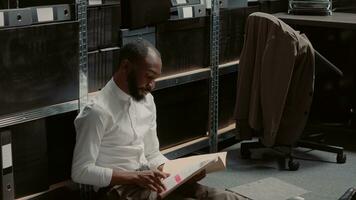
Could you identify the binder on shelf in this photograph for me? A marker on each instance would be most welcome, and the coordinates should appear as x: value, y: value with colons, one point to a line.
x: 227, y: 97
x: 182, y: 127
x: 7, y: 177
x: 104, y: 22
x: 232, y: 23
x: 95, y: 2
x: 2, y: 19
x: 183, y: 12
x: 18, y: 17
x: 139, y: 13
x: 35, y: 3
x: 222, y: 3
x: 31, y: 158
x: 236, y: 3
x: 4, y: 4
x: 35, y: 15
x: 43, y: 14
x: 51, y: 13
x: 101, y: 65
x: 49, y: 55
x: 102, y: 2
x: 189, y: 38
x: 62, y: 12
x: 184, y: 2
x: 147, y: 33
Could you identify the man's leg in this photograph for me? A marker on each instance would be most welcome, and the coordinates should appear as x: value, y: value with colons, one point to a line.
x: 198, y: 191
x: 126, y: 192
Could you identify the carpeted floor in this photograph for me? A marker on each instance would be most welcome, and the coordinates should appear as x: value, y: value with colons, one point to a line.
x: 326, y: 180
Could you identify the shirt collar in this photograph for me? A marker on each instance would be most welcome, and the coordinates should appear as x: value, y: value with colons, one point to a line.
x: 116, y: 90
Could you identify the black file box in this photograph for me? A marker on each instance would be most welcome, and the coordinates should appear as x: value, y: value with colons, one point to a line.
x: 4, y: 4
x: 36, y: 15
x: 186, y: 2
x: 139, y: 13
x: 227, y: 99
x: 183, y: 44
x: 147, y: 33
x: 274, y: 6
x: 30, y: 158
x: 60, y: 146
x: 182, y: 113
x: 232, y: 25
x: 189, y: 11
x: 7, y: 190
x: 104, y: 23
x: 38, y: 66
x: 101, y: 65
x: 236, y: 3
x: 31, y: 3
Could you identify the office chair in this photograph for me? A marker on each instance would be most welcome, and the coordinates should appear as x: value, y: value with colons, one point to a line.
x: 275, y: 88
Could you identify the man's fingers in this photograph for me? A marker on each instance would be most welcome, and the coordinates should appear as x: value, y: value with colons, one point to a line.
x: 160, y: 174
x: 152, y: 181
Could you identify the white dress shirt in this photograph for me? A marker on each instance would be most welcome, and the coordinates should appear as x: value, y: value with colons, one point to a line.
x: 114, y: 132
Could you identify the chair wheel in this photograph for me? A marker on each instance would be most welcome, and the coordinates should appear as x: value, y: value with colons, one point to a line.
x: 293, y: 165
x: 341, y: 158
x: 245, y: 153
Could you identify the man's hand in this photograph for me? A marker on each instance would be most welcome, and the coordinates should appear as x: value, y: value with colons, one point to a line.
x: 152, y: 179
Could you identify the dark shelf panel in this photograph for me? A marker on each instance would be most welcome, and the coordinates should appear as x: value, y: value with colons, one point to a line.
x: 194, y: 75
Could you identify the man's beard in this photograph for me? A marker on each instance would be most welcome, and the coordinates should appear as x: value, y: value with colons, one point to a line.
x: 133, y: 87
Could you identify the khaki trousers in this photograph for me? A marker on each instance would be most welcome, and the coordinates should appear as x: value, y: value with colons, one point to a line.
x: 186, y: 192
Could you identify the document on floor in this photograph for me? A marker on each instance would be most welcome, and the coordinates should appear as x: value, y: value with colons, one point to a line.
x: 182, y: 169
x: 269, y: 189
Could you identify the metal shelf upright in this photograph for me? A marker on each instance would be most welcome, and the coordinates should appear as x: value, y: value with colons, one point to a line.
x: 83, y: 52
x: 214, y: 76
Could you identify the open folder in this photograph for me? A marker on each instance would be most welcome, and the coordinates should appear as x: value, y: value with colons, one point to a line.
x: 182, y: 169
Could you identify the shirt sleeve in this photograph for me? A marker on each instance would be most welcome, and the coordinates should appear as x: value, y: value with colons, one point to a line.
x: 90, y: 129
x: 153, y: 155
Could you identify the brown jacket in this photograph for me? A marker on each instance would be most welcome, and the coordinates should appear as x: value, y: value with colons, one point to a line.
x: 275, y: 81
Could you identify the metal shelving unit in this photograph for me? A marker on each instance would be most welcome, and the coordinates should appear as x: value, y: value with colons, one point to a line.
x: 83, y: 52
x: 211, y: 73
x: 51, y: 110
x: 21, y: 117
x: 200, y: 143
x: 189, y: 77
x: 194, y: 75
x: 28, y: 115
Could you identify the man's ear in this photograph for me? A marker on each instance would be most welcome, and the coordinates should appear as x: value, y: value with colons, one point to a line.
x: 126, y: 66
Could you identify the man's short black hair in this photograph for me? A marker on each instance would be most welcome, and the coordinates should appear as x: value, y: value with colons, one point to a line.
x: 136, y: 50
